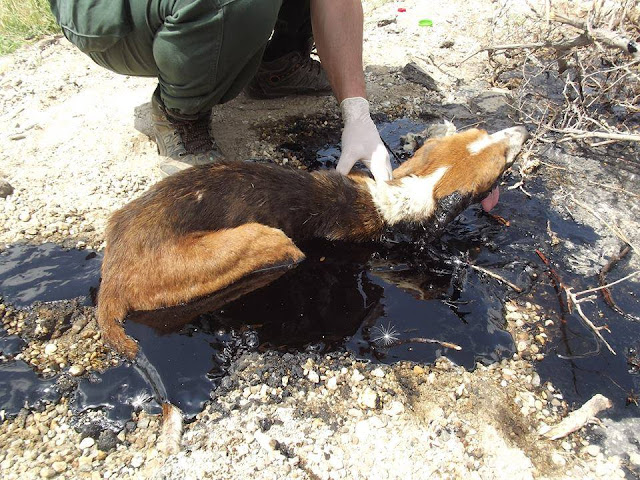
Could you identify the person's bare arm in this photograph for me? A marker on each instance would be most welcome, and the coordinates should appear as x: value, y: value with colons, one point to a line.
x: 337, y: 31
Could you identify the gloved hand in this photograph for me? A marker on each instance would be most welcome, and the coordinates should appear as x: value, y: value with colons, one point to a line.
x: 361, y: 140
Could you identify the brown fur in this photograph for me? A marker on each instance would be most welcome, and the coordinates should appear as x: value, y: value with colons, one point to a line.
x: 206, y: 228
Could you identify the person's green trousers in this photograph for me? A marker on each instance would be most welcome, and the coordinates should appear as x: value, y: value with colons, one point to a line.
x: 203, y: 51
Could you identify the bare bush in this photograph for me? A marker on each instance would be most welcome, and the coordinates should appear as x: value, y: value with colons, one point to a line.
x: 576, y: 71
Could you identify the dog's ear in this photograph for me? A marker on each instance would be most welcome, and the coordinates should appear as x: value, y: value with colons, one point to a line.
x: 474, y: 174
x: 437, y: 153
x: 418, y: 161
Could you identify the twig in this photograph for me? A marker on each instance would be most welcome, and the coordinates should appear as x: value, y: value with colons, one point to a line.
x: 606, y: 294
x: 391, y: 150
x: 622, y: 190
x: 595, y: 289
x: 425, y: 340
x: 573, y: 134
x: 607, y: 37
x: 603, y: 185
x: 496, y: 276
x: 595, y: 80
x: 574, y: 302
x: 555, y: 278
x: 579, y: 418
x: 579, y: 41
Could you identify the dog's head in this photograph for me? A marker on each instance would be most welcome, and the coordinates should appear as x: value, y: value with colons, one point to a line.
x: 446, y: 175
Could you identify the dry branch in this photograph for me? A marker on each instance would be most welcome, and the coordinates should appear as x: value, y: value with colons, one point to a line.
x: 572, y: 300
x: 573, y: 134
x: 574, y: 303
x: 577, y: 75
x: 607, y: 37
x: 496, y: 276
x: 579, y: 418
x: 602, y: 276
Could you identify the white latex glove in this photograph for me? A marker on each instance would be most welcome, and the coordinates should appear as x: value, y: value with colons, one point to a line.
x: 361, y: 140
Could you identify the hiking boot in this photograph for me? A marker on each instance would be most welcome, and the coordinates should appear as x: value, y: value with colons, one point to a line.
x: 291, y: 74
x: 185, y: 140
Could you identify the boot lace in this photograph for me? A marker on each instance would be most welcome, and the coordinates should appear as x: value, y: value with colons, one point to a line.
x: 195, y: 135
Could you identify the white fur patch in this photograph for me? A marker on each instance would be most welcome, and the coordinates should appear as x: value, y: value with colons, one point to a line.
x: 481, y: 143
x: 409, y: 201
x: 512, y: 137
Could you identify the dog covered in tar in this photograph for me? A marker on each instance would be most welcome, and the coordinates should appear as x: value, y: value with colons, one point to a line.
x: 227, y: 228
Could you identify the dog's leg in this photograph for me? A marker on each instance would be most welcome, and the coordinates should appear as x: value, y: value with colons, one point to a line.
x: 194, y: 266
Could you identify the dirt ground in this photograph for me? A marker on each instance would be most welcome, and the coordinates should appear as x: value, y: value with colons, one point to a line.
x: 76, y: 144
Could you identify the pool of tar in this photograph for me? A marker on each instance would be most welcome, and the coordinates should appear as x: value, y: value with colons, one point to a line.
x: 399, y: 299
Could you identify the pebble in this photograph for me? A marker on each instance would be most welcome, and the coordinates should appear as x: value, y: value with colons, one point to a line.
x: 514, y: 316
x: 24, y: 216
x: 508, y: 374
x: 313, y: 376
x: 592, y: 450
x: 47, y: 472
x: 5, y: 188
x: 84, y: 464
x: 137, y: 461
x: 558, y: 459
x: 50, y: 349
x: 265, y: 441
x: 76, y: 370
x: 143, y: 423
x: 107, y: 440
x: 393, y: 409
x: 59, y: 467
x: 378, y: 372
x: 357, y: 376
x: 368, y: 398
x: 332, y: 383
x: 535, y: 380
x: 87, y: 442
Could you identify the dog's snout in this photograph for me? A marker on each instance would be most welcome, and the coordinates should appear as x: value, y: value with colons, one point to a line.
x: 522, y: 131
x: 516, y: 136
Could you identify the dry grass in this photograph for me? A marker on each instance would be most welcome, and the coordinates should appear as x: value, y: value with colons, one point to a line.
x: 22, y: 21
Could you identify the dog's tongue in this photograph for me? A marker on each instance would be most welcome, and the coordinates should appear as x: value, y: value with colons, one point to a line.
x: 491, y: 200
